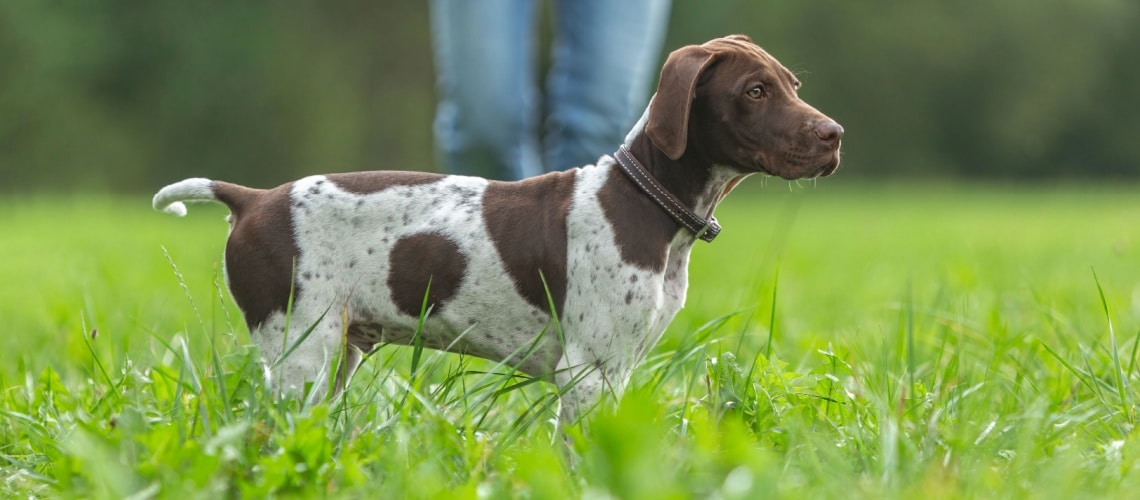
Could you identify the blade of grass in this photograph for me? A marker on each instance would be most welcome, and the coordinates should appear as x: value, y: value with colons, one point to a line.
x: 1118, y: 369
x: 114, y: 386
x: 418, y: 335
x: 772, y: 316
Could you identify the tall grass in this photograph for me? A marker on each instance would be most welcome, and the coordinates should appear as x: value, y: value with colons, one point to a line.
x: 886, y: 341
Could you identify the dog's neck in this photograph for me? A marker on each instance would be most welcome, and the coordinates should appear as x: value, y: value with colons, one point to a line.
x: 697, y: 183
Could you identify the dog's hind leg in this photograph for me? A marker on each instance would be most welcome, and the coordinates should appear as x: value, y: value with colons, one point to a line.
x: 301, y: 361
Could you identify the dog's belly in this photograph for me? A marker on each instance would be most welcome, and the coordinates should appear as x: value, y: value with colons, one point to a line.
x: 478, y: 321
x: 371, y: 258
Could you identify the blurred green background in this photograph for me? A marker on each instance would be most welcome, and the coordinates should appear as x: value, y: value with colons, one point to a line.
x: 129, y: 95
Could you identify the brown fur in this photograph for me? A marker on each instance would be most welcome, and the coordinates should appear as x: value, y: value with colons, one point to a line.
x: 423, y: 260
x: 527, y: 222
x: 261, y: 249
x: 372, y: 182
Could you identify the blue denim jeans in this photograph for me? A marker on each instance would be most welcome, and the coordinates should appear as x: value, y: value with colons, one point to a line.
x: 604, y: 56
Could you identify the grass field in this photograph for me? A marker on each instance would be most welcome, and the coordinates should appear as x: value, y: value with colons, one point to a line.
x: 840, y: 340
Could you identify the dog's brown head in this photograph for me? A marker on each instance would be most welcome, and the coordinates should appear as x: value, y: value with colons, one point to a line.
x: 745, y: 114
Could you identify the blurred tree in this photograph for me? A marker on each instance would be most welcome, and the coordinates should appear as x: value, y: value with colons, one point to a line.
x: 131, y: 94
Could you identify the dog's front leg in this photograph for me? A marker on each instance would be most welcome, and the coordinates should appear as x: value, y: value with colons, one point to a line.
x: 583, y: 380
x: 579, y: 394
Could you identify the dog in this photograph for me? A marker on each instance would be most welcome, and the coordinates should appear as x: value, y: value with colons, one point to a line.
x: 569, y: 276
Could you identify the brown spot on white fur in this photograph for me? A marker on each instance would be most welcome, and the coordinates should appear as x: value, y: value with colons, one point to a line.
x: 419, y: 259
x: 261, y: 249
x: 376, y: 181
x: 527, y: 223
x: 641, y: 229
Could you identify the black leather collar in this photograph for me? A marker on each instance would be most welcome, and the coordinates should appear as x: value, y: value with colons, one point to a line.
x: 703, y: 229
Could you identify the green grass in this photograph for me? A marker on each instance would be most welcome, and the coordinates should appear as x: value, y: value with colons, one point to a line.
x: 839, y: 341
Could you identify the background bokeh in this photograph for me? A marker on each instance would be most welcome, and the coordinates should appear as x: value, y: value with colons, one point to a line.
x: 125, y: 96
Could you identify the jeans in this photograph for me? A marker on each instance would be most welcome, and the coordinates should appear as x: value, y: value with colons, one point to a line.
x: 603, y: 58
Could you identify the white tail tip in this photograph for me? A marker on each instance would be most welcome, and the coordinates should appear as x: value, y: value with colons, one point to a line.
x: 177, y: 208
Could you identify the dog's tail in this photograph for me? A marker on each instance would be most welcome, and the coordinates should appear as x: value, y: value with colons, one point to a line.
x: 170, y: 198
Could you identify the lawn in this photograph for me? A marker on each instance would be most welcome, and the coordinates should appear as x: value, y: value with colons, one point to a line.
x: 839, y: 340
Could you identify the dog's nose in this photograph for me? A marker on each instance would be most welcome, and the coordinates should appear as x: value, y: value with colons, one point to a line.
x: 829, y: 131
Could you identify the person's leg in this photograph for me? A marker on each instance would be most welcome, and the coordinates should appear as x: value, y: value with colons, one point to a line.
x: 605, y: 56
x: 486, y: 117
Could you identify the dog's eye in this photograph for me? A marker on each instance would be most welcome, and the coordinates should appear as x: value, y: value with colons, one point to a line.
x: 756, y: 92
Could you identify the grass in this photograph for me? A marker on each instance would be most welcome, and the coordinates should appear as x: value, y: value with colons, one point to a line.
x: 839, y: 341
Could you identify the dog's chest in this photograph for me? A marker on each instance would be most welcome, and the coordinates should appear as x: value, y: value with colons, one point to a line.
x: 615, y: 309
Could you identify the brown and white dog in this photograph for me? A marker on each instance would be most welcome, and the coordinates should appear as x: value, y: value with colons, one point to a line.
x: 570, y: 276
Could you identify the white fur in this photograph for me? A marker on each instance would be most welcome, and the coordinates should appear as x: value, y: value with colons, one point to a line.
x: 170, y: 198
x: 605, y: 338
x: 640, y: 125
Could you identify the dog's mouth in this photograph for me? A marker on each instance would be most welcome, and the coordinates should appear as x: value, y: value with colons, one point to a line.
x: 817, y: 170
x: 826, y: 169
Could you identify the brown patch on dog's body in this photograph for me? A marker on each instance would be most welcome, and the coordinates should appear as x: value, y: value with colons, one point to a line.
x: 527, y: 223
x: 421, y: 261
x: 642, y: 231
x: 261, y: 249
x: 363, y: 183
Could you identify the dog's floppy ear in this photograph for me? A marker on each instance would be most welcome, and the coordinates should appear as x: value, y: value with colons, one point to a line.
x: 668, y: 125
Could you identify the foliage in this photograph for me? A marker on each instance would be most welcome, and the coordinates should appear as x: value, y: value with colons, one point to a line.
x: 920, y: 340
x: 128, y: 95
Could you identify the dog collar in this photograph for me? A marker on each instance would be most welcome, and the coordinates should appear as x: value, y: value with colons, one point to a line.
x: 704, y: 229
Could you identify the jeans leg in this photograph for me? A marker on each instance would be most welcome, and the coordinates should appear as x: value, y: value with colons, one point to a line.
x: 605, y: 56
x: 487, y: 113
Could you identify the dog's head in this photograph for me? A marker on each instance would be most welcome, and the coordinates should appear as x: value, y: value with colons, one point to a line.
x: 733, y: 104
